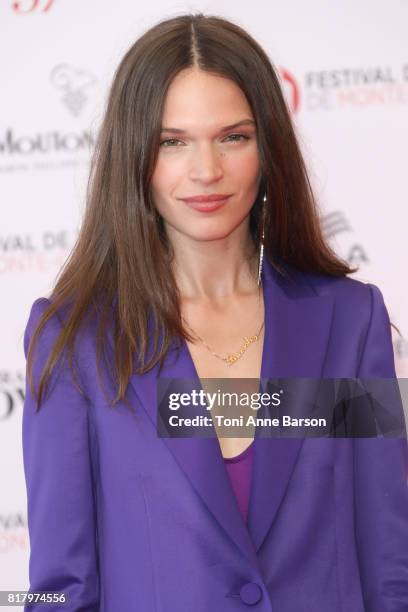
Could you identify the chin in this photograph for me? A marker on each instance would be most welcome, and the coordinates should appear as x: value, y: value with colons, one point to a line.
x: 209, y: 234
x: 201, y: 230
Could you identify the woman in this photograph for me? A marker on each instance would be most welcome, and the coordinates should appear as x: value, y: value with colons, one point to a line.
x: 164, y: 282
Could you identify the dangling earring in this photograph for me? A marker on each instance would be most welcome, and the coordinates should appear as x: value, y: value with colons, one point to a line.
x: 261, y: 251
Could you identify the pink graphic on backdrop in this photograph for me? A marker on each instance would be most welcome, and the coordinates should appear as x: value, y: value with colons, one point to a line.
x: 291, y: 89
x: 23, y: 7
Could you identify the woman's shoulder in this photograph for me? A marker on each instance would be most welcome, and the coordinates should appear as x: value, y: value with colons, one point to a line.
x: 55, y: 319
x: 354, y: 300
x: 360, y: 319
x: 355, y: 296
x: 58, y: 318
x: 60, y: 314
x: 84, y: 345
x: 297, y: 282
x: 36, y: 311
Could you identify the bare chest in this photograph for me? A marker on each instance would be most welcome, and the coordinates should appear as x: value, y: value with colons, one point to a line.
x: 223, y: 333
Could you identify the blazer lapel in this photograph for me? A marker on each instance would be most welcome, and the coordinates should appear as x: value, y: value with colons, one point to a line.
x: 295, y: 341
x: 199, y: 458
x: 296, y: 338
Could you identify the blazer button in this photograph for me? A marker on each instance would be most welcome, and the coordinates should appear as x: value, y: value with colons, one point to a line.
x: 250, y: 593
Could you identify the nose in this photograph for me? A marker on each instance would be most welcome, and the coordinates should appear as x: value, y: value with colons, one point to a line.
x: 206, y: 164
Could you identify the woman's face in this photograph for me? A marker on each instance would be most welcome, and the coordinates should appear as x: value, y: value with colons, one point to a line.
x: 200, y: 155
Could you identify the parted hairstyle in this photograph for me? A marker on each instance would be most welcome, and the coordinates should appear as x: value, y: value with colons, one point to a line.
x: 119, y: 268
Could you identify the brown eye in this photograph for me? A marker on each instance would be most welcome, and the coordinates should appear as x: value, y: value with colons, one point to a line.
x: 236, y: 137
x: 164, y: 142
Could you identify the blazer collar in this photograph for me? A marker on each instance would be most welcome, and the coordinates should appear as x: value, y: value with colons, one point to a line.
x: 297, y: 326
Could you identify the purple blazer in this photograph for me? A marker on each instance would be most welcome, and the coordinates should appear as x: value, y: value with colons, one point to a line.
x: 124, y: 521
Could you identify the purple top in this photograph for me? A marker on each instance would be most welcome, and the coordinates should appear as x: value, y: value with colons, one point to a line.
x: 239, y: 470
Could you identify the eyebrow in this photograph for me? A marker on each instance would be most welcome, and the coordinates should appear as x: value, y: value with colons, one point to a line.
x: 224, y: 129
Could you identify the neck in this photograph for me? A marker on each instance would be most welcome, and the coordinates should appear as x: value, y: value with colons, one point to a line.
x: 215, y: 274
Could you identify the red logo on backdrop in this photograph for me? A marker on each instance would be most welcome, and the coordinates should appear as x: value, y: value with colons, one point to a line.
x: 29, y: 6
x: 291, y: 88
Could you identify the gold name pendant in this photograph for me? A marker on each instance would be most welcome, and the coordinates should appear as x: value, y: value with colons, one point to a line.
x: 231, y: 359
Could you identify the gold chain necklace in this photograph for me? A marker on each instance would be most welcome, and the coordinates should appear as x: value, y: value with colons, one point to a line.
x: 233, y: 357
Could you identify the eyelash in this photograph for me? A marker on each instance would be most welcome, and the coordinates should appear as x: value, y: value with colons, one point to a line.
x: 230, y: 136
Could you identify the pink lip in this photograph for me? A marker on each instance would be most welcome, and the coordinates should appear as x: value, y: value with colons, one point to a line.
x: 214, y: 197
x: 206, y: 203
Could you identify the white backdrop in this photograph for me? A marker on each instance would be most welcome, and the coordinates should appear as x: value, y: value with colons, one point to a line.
x: 344, y: 68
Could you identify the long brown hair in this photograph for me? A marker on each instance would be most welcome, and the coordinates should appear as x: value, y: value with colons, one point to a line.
x: 119, y: 267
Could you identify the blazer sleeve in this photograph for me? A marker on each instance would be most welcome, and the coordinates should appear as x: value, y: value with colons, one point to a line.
x: 58, y: 475
x: 381, y: 491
